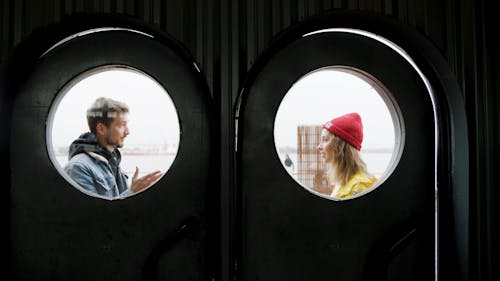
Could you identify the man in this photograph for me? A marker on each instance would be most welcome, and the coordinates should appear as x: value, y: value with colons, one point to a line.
x: 289, y: 162
x: 94, y: 158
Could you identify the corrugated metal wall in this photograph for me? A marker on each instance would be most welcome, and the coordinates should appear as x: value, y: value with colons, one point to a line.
x: 231, y: 34
x: 225, y: 37
x: 218, y: 31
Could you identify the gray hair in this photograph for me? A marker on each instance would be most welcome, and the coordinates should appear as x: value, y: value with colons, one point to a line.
x: 104, y: 110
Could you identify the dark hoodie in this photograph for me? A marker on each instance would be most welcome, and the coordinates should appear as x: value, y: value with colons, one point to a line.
x: 87, y: 142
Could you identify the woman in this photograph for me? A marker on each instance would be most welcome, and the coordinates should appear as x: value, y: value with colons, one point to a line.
x: 339, y: 147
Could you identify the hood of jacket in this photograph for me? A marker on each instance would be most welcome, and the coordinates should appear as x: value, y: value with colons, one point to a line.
x: 87, y: 143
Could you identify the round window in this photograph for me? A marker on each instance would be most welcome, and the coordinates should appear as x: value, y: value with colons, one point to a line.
x: 338, y: 132
x: 113, y: 132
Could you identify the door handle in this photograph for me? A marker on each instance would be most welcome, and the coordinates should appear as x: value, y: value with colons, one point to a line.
x: 386, y: 249
x: 187, y: 228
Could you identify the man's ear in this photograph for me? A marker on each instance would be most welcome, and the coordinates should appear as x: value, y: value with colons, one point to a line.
x: 100, y: 129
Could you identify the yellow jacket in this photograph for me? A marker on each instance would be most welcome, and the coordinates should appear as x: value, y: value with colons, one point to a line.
x: 358, y: 183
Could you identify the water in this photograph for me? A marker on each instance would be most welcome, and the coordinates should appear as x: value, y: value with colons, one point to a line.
x: 376, y: 162
x: 146, y: 163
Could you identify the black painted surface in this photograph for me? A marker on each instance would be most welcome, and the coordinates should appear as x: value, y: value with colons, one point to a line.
x: 226, y: 37
x: 59, y: 233
x: 288, y: 233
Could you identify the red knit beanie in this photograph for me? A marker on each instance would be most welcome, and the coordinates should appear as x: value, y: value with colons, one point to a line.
x: 348, y: 127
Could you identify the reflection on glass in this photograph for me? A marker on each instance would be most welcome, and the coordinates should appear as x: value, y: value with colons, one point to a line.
x: 335, y: 125
x: 113, y: 133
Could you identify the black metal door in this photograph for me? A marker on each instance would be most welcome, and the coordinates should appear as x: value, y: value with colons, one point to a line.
x: 288, y: 233
x: 59, y: 233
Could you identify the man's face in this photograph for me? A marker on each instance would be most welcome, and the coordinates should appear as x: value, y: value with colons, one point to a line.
x: 115, y: 133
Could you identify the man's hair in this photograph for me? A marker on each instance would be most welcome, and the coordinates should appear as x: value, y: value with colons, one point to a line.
x: 104, y: 110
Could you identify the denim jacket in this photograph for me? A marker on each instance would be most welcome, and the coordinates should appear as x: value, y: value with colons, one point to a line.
x: 95, y: 169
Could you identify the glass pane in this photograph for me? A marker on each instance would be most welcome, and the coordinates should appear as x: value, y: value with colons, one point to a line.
x: 135, y: 135
x: 358, y: 111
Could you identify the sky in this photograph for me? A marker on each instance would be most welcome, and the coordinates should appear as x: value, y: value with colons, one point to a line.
x: 314, y: 99
x: 152, y: 119
x: 328, y: 93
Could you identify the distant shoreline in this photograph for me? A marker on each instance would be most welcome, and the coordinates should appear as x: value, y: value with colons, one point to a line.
x: 370, y: 150
x: 128, y: 153
x: 148, y: 154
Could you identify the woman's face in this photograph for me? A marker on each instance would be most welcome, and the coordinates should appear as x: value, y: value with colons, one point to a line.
x: 325, y: 146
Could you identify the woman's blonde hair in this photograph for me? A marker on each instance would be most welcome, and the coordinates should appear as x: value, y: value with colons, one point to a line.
x: 346, y: 161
